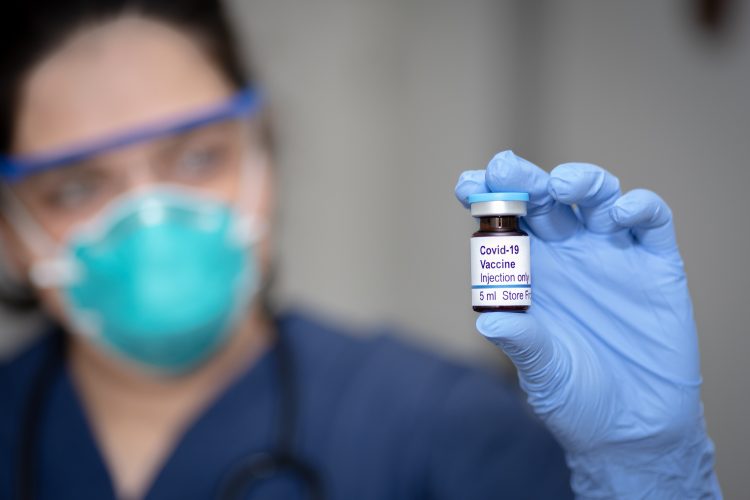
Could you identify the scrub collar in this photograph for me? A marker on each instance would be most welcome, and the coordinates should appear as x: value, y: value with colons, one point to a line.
x: 246, y: 103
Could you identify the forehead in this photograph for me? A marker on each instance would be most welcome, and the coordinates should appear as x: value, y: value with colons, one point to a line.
x: 113, y: 77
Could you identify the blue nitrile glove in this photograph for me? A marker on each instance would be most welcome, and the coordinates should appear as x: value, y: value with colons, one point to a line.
x: 608, y: 352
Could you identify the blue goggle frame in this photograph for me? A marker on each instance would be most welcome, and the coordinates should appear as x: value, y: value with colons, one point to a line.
x: 245, y: 103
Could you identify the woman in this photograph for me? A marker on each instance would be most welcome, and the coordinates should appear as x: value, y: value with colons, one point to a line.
x: 137, y: 193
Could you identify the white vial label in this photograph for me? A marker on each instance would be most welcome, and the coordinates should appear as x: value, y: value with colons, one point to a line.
x: 500, y: 271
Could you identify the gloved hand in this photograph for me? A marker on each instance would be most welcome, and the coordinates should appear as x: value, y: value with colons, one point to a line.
x: 608, y: 352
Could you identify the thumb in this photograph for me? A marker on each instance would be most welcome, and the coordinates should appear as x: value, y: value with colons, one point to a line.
x: 540, y: 359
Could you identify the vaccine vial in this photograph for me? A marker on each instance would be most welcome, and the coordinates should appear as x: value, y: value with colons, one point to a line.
x: 500, y: 257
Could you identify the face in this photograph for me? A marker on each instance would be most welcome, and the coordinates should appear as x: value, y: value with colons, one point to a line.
x: 117, y: 77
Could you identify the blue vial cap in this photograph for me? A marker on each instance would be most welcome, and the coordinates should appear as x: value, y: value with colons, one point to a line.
x: 480, y: 197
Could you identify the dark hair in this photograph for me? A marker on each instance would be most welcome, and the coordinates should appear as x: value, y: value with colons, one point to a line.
x: 31, y: 29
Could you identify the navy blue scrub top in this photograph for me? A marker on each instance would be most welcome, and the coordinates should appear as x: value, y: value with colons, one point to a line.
x: 377, y: 418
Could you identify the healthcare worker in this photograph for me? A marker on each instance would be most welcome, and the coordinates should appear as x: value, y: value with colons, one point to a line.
x: 137, y: 186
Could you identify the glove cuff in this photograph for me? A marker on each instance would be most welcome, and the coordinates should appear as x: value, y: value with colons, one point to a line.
x: 683, y: 471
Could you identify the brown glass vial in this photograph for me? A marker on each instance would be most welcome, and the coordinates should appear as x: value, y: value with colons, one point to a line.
x: 503, y: 225
x: 500, y: 257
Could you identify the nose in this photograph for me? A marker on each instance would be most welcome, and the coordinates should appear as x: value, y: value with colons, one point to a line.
x: 138, y: 173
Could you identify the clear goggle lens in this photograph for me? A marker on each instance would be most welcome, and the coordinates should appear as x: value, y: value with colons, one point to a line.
x: 205, y: 151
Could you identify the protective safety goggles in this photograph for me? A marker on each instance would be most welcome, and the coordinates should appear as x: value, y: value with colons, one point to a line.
x: 244, y: 104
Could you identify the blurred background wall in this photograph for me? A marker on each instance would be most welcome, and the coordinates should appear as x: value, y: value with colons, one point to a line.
x: 380, y: 104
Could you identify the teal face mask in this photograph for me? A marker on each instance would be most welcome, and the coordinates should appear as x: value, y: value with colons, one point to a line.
x: 160, y: 278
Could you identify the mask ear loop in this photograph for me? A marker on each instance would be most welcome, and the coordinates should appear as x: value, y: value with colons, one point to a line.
x: 49, y: 269
x: 250, y: 226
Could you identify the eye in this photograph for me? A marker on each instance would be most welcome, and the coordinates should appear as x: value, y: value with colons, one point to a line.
x: 199, y: 161
x: 74, y: 193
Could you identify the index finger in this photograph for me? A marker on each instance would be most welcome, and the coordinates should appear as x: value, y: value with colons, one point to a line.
x: 546, y: 218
